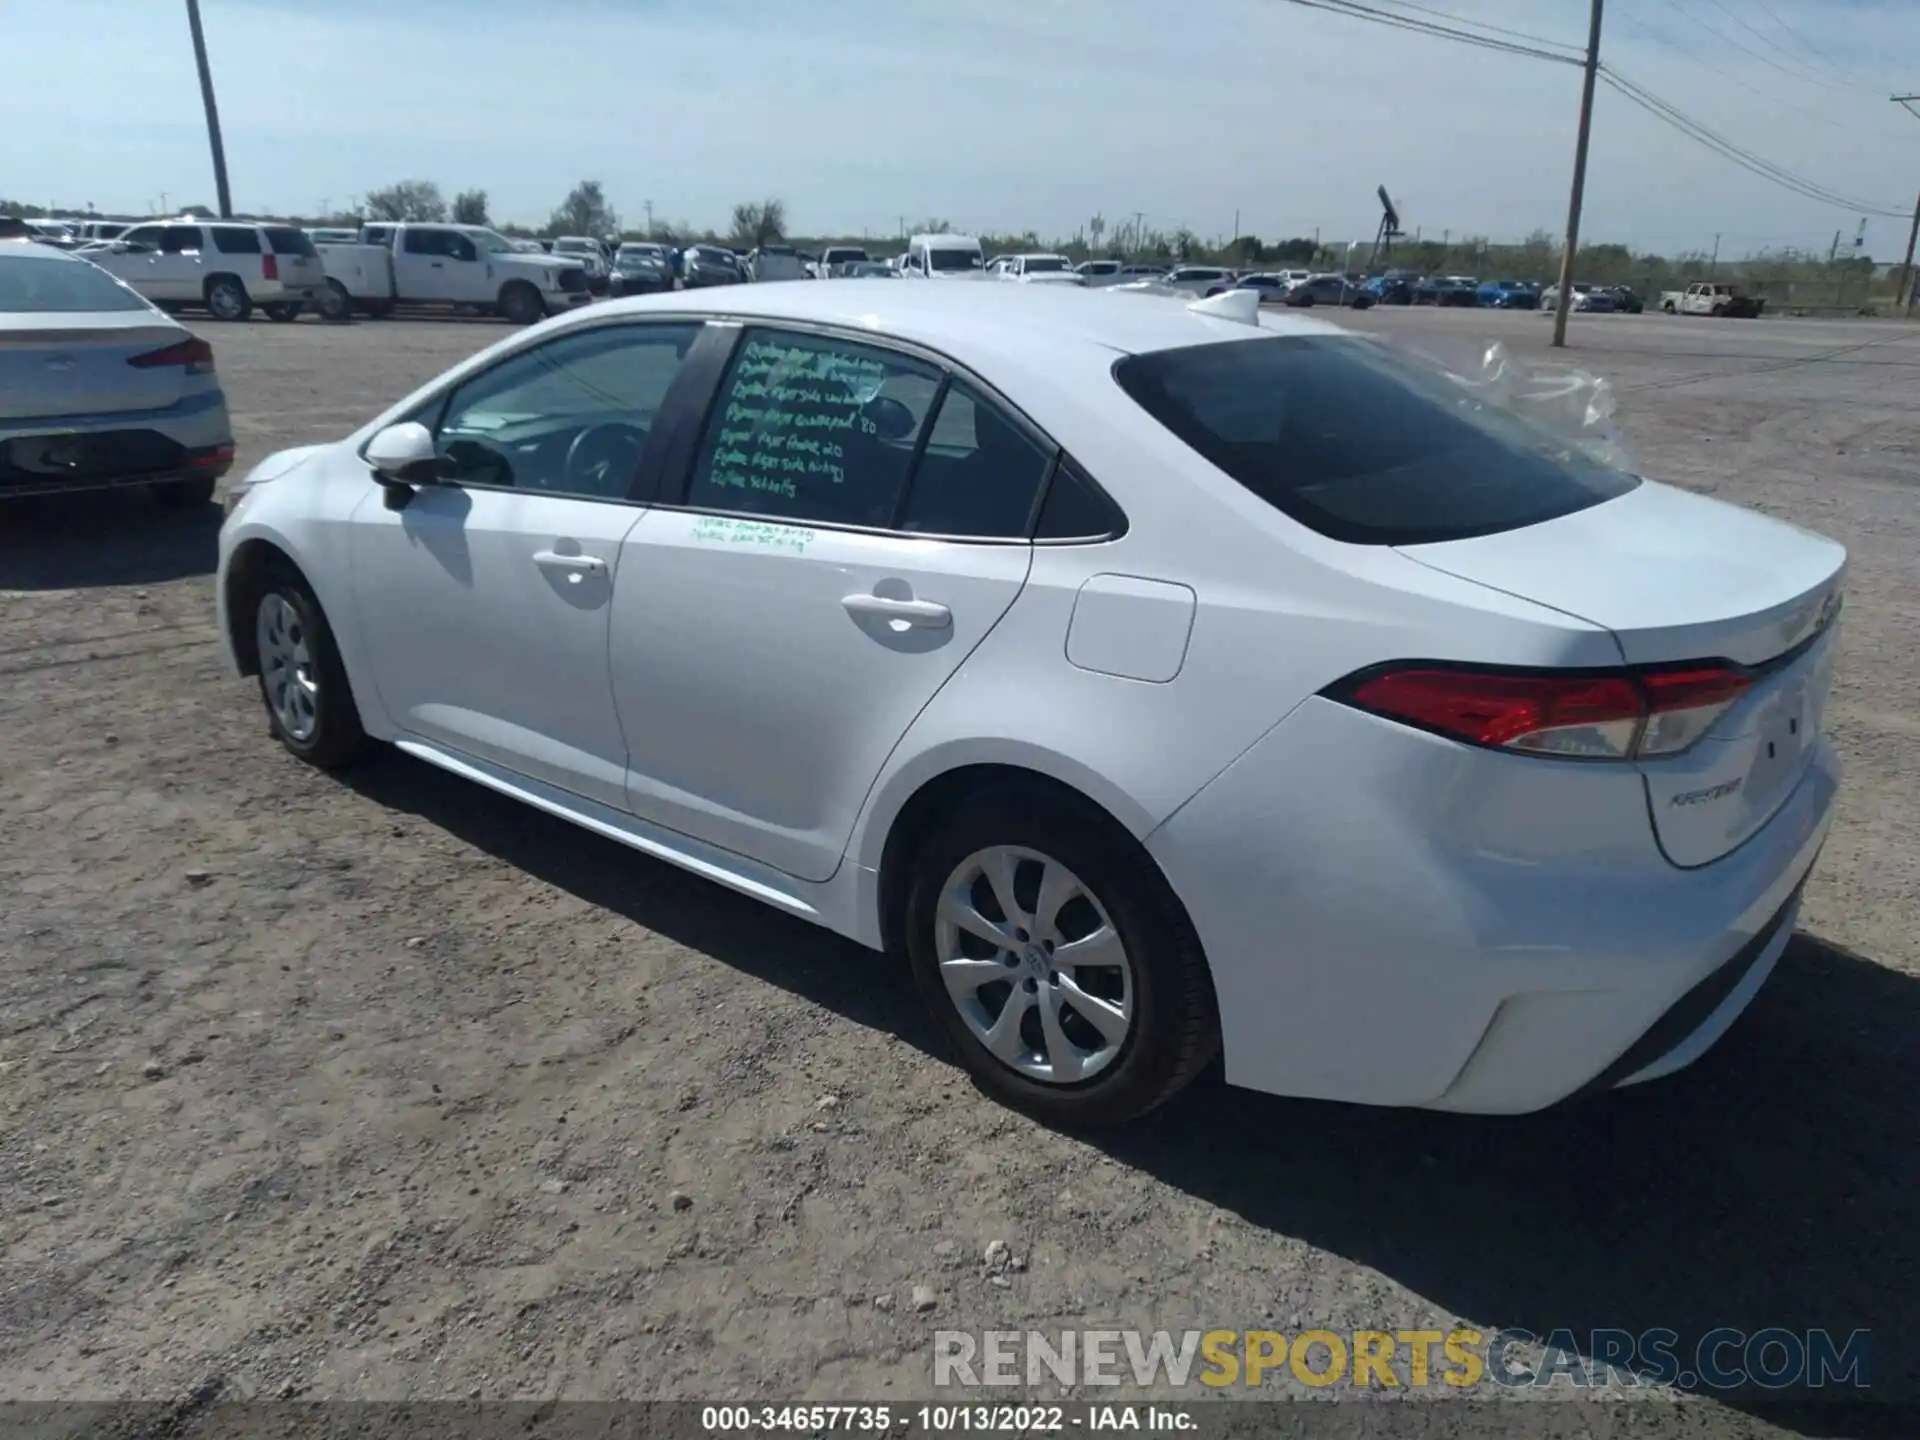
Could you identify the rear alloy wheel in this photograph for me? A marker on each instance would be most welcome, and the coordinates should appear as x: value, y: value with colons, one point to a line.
x: 185, y: 494
x: 1059, y: 962
x: 227, y: 298
x: 309, y: 703
x: 281, y: 311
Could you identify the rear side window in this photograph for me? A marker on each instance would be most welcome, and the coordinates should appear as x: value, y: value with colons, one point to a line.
x: 286, y: 240
x: 231, y: 241
x: 1361, y: 446
x: 979, y: 473
x: 812, y: 428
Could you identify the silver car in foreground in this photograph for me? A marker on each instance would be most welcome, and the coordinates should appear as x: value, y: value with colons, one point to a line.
x: 99, y: 389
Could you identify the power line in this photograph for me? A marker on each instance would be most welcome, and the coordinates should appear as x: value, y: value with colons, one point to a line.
x: 1801, y: 75
x: 1806, y: 44
x: 1406, y: 22
x: 1737, y: 153
x: 1528, y: 35
x: 1667, y: 42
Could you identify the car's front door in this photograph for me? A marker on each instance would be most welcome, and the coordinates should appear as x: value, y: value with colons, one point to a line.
x: 785, y: 616
x: 484, y: 601
x: 424, y: 267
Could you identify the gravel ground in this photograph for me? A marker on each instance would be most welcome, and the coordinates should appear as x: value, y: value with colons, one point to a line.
x: 386, y: 1087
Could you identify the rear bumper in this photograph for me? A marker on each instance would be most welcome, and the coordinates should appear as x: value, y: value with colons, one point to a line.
x: 188, y: 441
x: 1393, y: 919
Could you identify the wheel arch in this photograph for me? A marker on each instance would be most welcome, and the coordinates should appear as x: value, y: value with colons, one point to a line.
x: 914, y: 804
x: 206, y: 285
x: 253, y: 561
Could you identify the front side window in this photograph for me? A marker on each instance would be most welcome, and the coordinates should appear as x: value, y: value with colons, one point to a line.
x: 180, y: 240
x: 571, y: 417
x: 142, y: 237
x: 1360, y: 445
x: 425, y: 242
x: 808, y: 427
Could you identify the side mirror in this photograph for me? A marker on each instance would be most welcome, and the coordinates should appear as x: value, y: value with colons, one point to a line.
x: 403, y: 456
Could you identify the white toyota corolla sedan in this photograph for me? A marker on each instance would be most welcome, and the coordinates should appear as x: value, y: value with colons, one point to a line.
x: 1161, y: 679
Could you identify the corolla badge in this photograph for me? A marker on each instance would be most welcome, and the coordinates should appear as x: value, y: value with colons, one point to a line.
x: 1701, y: 797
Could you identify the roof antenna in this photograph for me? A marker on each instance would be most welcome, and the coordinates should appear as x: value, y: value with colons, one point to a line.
x: 1242, y: 306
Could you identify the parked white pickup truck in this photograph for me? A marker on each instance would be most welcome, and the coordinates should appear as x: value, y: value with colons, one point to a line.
x: 464, y: 266
x: 1711, y: 298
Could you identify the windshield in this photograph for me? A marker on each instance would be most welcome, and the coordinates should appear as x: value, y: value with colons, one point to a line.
x: 1361, y: 445
x: 33, y: 285
x: 490, y: 242
x: 951, y: 258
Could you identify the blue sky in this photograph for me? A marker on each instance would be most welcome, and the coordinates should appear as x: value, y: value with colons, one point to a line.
x: 996, y: 114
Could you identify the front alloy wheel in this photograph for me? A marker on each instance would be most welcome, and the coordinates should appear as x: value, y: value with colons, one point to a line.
x: 288, y: 676
x: 309, y: 703
x: 1034, y: 965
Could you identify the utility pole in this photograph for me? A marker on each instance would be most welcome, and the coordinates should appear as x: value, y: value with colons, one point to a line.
x: 1713, y: 265
x: 1907, y: 283
x: 1562, y: 307
x: 213, y: 111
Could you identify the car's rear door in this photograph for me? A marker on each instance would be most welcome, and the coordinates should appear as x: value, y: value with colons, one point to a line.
x: 851, y: 524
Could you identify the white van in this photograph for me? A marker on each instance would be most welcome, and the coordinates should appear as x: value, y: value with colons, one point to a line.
x: 943, y: 257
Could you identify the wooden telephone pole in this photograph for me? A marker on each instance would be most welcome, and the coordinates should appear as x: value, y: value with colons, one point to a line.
x: 213, y: 111
x: 1563, y: 297
x: 1907, y: 282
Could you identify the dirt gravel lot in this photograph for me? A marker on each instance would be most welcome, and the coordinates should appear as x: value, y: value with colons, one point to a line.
x: 386, y: 1087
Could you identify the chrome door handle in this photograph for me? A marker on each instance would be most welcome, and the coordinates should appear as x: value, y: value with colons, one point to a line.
x: 926, y: 614
x: 553, y: 560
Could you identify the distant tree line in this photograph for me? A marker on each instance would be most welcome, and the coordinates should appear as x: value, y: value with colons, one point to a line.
x: 586, y: 211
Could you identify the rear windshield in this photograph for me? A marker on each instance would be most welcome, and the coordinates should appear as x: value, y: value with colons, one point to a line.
x: 31, y: 285
x: 286, y: 240
x: 1360, y: 445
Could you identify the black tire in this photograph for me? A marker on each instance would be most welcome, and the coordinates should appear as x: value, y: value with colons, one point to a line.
x: 335, y: 303
x: 282, y: 311
x: 1668, y: 307
x: 184, y: 494
x: 227, y: 299
x: 520, y: 303
x: 336, y: 738
x: 1175, y: 1030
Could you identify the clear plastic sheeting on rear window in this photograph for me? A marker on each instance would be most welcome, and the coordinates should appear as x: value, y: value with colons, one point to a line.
x: 30, y: 285
x: 1363, y: 445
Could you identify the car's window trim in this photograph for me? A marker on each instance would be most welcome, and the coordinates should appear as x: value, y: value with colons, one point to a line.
x: 679, y: 478
x: 652, y: 455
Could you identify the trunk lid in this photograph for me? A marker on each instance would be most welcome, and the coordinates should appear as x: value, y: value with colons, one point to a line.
x: 75, y: 363
x: 1679, y: 577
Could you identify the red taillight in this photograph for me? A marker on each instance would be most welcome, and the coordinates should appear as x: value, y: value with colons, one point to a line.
x: 195, y: 354
x: 1610, y: 716
x: 269, y: 267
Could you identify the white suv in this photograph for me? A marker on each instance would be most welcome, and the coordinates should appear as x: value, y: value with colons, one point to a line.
x: 226, y: 266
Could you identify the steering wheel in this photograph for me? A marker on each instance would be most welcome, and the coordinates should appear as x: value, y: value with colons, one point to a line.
x: 602, y: 457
